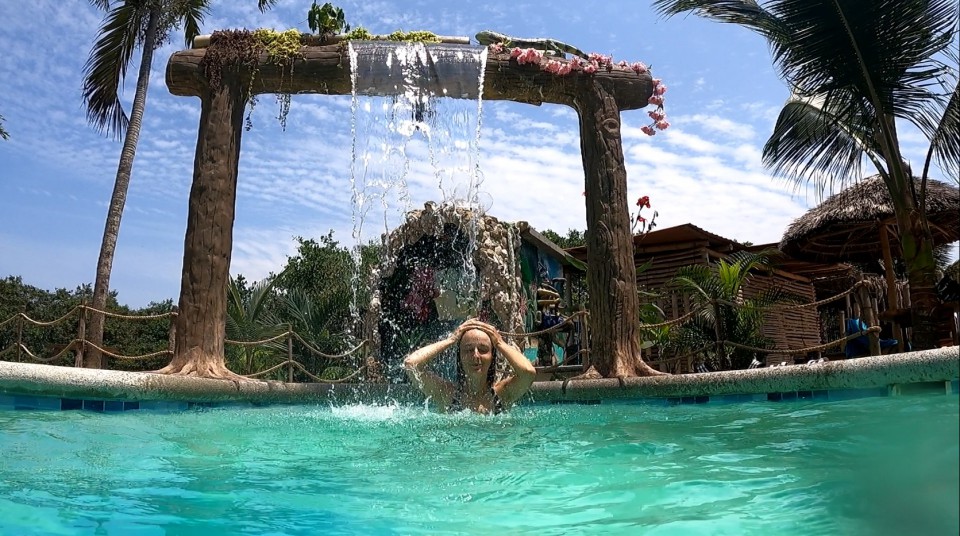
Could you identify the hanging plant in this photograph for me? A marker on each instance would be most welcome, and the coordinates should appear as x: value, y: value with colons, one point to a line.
x: 282, y: 49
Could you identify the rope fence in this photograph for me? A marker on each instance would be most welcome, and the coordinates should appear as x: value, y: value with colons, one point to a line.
x: 80, y: 344
x: 872, y: 332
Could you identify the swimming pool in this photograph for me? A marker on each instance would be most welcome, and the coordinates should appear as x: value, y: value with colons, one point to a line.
x: 885, y: 465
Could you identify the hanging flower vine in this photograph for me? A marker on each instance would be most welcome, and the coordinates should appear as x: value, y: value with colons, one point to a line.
x: 594, y: 62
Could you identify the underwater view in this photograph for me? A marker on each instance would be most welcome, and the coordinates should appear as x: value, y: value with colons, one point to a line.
x: 865, y: 466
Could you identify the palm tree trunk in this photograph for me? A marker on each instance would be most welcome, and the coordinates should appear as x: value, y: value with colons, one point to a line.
x: 917, y: 245
x: 916, y: 240
x: 93, y: 358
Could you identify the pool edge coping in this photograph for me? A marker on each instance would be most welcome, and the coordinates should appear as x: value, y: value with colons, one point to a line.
x: 885, y: 373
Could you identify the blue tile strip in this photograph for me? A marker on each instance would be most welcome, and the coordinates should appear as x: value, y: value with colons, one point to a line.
x: 26, y: 402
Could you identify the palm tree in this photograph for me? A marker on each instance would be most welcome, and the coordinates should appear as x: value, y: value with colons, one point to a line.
x: 726, y: 311
x: 128, y: 24
x: 250, y: 319
x: 855, y: 68
x: 3, y: 133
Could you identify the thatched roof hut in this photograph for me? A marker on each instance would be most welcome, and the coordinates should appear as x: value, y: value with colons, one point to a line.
x: 847, y: 225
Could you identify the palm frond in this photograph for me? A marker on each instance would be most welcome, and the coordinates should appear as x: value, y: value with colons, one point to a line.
x: 809, y: 143
x: 882, y: 51
x: 192, y: 17
x: 106, y: 68
x: 102, y: 5
x: 945, y: 142
x: 264, y: 5
x: 248, y: 315
x: 747, y: 13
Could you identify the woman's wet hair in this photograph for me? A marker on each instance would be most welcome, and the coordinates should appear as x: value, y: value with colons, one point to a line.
x: 491, y: 372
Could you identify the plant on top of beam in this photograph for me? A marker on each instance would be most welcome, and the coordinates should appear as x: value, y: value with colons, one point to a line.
x: 283, y: 49
x: 327, y: 20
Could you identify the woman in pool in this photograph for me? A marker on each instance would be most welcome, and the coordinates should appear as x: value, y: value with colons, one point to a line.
x: 476, y: 390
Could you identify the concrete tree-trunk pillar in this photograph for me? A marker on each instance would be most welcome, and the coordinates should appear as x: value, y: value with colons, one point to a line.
x: 201, y: 318
x: 611, y: 274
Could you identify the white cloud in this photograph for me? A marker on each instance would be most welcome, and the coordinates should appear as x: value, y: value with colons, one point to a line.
x: 57, y: 173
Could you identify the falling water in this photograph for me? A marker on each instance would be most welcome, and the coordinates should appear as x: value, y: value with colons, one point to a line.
x: 402, y: 122
x: 410, y: 144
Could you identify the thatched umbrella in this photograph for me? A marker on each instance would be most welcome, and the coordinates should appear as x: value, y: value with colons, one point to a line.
x: 858, y: 224
x: 848, y: 226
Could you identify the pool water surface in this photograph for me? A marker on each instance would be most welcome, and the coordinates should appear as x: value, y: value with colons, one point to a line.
x: 866, y: 466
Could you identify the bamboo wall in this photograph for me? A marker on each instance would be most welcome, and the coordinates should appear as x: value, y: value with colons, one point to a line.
x: 788, y: 329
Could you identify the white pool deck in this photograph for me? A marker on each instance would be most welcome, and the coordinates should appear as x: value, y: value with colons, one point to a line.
x: 929, y: 369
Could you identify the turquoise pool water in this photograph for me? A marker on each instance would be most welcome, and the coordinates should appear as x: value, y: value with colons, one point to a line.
x: 866, y: 466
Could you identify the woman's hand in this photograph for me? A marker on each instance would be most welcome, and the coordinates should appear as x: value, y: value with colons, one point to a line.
x: 472, y: 323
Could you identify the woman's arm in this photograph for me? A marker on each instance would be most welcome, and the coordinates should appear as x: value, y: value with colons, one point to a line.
x: 431, y: 385
x: 514, y: 387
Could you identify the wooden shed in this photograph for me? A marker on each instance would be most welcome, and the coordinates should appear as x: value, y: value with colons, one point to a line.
x: 670, y: 248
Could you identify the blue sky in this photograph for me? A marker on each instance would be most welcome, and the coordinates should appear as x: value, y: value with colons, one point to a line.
x: 57, y: 172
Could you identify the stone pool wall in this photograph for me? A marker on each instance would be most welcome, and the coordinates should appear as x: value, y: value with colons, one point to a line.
x: 31, y: 386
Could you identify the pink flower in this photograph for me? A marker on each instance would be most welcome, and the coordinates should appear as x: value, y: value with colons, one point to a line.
x: 657, y: 115
x: 590, y: 68
x: 600, y: 59
x: 639, y: 67
x: 644, y: 201
x: 528, y: 55
x: 565, y: 68
x: 640, y: 219
x: 552, y: 66
x: 646, y: 129
x: 496, y: 48
x: 515, y: 52
x: 662, y: 125
x: 659, y: 89
x: 623, y: 64
x: 656, y: 100
x: 576, y: 63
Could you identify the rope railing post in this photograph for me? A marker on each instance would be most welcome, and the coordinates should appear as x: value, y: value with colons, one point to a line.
x: 585, y: 360
x: 866, y: 305
x: 717, y: 331
x: 289, y: 353
x: 172, y: 331
x: 19, y: 337
x: 81, y: 335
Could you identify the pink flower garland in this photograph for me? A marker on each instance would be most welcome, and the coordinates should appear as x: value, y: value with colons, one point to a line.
x: 594, y: 63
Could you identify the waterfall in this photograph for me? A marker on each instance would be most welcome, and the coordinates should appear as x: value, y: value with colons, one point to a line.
x: 415, y: 123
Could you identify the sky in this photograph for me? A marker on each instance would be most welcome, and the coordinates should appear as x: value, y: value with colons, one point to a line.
x: 57, y: 172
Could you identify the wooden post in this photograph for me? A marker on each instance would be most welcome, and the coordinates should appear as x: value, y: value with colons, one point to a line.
x: 82, y: 337
x: 289, y: 353
x: 893, y: 301
x: 870, y: 318
x: 843, y: 329
x: 172, y: 331
x: 19, y: 337
x: 585, y: 344
x: 717, y: 331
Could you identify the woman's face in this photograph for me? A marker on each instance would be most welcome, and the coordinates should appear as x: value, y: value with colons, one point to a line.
x: 476, y: 352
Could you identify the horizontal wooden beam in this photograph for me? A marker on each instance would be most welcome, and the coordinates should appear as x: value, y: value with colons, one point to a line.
x: 326, y: 70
